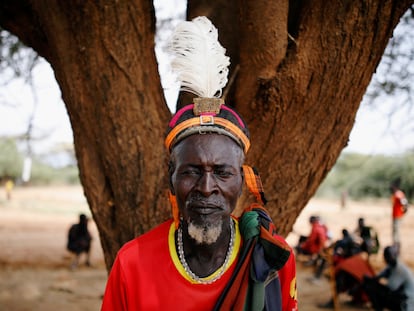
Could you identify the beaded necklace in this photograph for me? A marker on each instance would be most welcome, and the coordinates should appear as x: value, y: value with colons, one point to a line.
x: 186, y: 267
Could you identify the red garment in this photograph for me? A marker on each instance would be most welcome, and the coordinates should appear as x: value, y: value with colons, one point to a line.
x: 357, y: 266
x: 147, y: 275
x: 397, y: 207
x: 316, y: 240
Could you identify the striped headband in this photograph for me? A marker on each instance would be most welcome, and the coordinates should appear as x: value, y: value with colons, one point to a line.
x: 207, y: 115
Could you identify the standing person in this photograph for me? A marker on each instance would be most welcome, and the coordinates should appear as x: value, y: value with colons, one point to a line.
x: 399, y: 207
x: 344, y: 199
x: 9, y: 185
x: 79, y: 241
x: 397, y: 294
x: 205, y: 258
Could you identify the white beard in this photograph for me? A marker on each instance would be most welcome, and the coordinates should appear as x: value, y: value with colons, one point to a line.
x: 207, y: 234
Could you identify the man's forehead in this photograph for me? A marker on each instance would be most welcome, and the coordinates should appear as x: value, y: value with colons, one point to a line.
x: 209, y: 141
x: 208, y: 147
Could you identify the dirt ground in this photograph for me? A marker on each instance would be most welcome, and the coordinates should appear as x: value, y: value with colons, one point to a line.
x: 34, y: 264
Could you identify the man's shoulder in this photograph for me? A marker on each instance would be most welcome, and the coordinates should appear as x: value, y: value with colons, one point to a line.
x: 161, y: 229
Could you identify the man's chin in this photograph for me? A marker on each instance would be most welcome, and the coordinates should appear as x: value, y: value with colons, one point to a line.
x: 206, y: 233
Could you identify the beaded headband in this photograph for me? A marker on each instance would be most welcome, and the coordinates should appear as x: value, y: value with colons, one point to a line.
x: 207, y: 115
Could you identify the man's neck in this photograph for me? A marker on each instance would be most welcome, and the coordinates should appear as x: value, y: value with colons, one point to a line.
x: 204, y: 259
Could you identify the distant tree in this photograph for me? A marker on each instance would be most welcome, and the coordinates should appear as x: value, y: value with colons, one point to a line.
x: 369, y: 176
x: 16, y: 59
x: 393, y: 80
x: 10, y: 159
x: 303, y: 69
x: 395, y: 73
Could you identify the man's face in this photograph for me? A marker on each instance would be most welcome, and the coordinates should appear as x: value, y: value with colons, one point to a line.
x: 207, y: 181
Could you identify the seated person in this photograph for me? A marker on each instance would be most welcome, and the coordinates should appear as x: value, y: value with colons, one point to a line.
x: 397, y: 293
x: 367, y: 237
x: 349, y: 275
x: 79, y: 240
x: 316, y: 241
x: 342, y: 248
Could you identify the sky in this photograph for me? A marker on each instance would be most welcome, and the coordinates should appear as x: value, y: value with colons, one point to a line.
x: 375, y: 131
x: 379, y: 131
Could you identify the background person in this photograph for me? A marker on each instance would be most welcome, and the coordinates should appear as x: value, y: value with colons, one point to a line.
x: 398, y: 291
x: 342, y: 249
x: 315, y: 242
x: 79, y: 241
x: 9, y: 185
x: 367, y: 237
x: 399, y: 207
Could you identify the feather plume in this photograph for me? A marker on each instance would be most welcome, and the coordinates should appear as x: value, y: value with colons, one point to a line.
x: 199, y: 59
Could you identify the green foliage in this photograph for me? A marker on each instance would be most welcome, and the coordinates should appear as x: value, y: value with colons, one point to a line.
x: 363, y: 176
x: 43, y: 174
x: 11, y: 165
x: 11, y: 161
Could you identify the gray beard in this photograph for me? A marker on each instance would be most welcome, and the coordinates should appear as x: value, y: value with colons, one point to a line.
x: 207, y: 234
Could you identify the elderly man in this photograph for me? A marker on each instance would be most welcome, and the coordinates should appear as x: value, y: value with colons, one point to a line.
x: 205, y: 258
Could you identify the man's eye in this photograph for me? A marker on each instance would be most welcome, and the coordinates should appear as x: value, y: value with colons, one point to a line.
x: 191, y: 172
x: 222, y: 173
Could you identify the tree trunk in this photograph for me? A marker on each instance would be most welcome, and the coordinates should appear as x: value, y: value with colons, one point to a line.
x: 303, y: 69
x: 102, y: 53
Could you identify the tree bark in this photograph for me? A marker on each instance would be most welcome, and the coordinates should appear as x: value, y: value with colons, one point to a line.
x: 303, y: 69
x: 102, y: 53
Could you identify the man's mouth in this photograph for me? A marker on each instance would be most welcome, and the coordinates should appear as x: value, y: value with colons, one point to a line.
x: 204, y: 210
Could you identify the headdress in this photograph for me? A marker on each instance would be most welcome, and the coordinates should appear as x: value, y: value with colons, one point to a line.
x: 202, y: 68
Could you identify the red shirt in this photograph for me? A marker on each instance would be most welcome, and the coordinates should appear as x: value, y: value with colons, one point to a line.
x: 316, y: 240
x: 147, y: 275
x: 397, y: 208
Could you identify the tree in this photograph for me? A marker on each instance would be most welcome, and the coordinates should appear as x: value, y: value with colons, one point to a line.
x: 10, y: 166
x: 392, y: 81
x: 302, y: 69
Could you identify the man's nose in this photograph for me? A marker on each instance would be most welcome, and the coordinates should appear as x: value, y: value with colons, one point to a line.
x: 207, y: 184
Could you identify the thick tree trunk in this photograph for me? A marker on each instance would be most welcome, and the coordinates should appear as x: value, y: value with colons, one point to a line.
x: 102, y: 53
x: 301, y: 116
x: 303, y: 69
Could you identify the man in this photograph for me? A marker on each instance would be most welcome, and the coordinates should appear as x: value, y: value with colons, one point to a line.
x: 79, y: 241
x: 190, y: 261
x: 9, y: 185
x: 205, y: 258
x: 367, y: 237
x: 316, y: 241
x: 397, y: 294
x: 342, y: 249
x: 399, y: 207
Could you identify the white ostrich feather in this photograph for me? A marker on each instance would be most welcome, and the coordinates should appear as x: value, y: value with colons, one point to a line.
x: 199, y: 59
